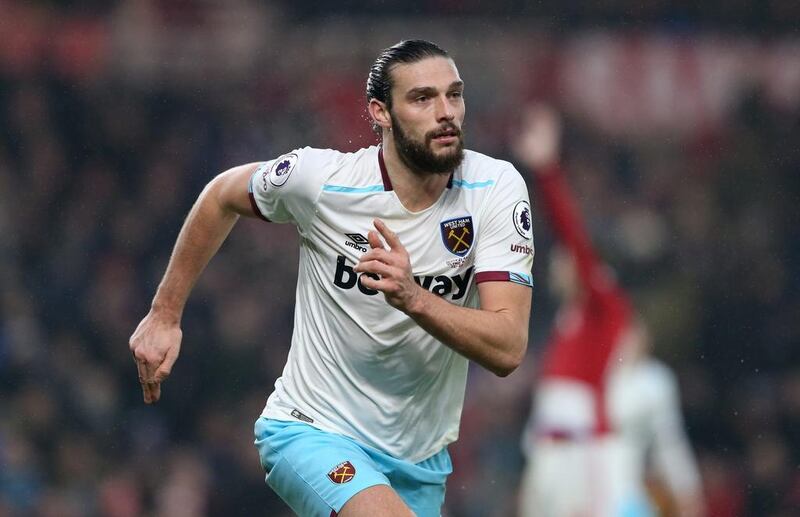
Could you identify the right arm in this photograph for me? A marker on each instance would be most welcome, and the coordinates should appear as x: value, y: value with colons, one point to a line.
x: 538, y: 148
x: 156, y: 342
x: 562, y: 211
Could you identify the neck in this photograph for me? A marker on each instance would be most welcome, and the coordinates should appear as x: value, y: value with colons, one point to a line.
x: 416, y: 190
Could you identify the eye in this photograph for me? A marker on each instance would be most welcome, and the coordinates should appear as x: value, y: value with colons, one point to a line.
x: 421, y: 98
x: 456, y: 95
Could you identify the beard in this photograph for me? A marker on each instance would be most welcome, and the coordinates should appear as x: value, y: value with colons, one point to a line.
x: 420, y: 158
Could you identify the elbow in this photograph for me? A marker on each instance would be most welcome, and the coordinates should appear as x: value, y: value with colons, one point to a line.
x: 214, y: 192
x: 506, y: 368
x: 511, y: 360
x: 229, y: 191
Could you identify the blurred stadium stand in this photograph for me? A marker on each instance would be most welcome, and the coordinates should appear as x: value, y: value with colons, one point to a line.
x: 683, y: 139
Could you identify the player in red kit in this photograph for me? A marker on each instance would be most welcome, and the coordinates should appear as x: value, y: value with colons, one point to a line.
x: 601, y: 403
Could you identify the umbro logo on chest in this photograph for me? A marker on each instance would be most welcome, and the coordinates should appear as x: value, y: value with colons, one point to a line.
x: 357, y: 242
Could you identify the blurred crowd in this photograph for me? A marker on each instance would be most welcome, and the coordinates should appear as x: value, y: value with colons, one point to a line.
x: 97, y: 173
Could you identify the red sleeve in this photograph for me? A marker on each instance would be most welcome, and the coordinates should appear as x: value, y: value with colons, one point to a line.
x: 561, y: 209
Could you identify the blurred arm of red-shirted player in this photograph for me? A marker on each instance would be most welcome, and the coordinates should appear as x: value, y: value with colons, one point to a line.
x: 538, y: 147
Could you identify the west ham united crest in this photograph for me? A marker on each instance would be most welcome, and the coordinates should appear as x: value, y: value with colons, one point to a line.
x: 457, y: 235
x: 342, y: 473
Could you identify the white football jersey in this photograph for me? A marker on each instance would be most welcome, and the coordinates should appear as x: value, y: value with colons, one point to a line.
x: 606, y: 474
x: 357, y: 366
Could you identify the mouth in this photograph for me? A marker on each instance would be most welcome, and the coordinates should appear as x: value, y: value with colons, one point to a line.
x: 446, y: 136
x: 445, y: 139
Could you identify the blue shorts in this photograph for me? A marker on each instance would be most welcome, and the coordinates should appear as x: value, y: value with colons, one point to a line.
x: 316, y: 472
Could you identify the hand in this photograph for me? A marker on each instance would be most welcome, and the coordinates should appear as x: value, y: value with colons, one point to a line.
x: 393, y: 266
x: 691, y: 505
x: 538, y: 140
x: 155, y: 345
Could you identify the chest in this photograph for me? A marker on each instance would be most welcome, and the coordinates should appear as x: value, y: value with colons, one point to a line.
x: 440, y: 241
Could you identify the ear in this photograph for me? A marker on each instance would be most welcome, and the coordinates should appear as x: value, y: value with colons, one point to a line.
x: 380, y: 113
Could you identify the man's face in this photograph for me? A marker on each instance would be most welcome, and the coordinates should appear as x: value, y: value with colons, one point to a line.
x: 427, y: 114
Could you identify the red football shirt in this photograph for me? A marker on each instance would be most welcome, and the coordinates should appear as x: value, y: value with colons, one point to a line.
x: 588, y: 331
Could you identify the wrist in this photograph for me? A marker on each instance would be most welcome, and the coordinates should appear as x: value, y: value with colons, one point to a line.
x: 165, y: 313
x: 417, y: 302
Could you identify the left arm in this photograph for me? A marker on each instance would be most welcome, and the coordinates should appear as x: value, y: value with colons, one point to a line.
x: 494, y: 336
x: 674, y: 460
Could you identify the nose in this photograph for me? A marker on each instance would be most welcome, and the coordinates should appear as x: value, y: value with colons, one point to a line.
x: 444, y: 111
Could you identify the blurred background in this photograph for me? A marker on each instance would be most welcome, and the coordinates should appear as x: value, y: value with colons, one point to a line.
x: 682, y: 140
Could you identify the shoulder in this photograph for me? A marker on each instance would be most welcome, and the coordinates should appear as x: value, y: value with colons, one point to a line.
x: 481, y: 168
x: 314, y: 164
x: 659, y: 377
x: 479, y: 165
x: 347, y: 166
x: 334, y: 156
x: 314, y: 156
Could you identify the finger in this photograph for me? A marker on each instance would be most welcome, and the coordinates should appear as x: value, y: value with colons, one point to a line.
x: 141, y: 369
x: 147, y: 370
x: 379, y: 254
x: 374, y: 266
x: 146, y: 394
x: 142, y: 374
x: 155, y: 391
x: 149, y: 391
x: 144, y: 364
x: 391, y: 238
x: 165, y: 368
x: 383, y: 284
x: 375, y: 240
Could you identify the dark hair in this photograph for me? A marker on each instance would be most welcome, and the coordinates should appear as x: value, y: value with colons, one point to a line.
x: 379, y: 82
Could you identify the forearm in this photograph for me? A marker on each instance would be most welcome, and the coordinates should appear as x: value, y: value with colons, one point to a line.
x: 562, y: 211
x: 494, y: 336
x: 208, y: 224
x: 493, y: 339
x: 675, y: 461
x: 677, y: 466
